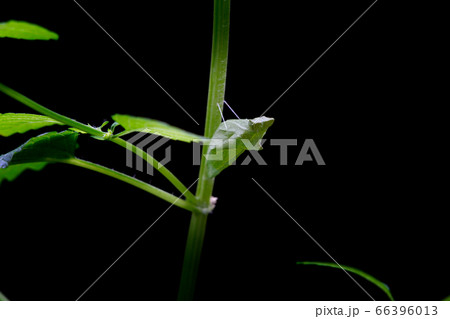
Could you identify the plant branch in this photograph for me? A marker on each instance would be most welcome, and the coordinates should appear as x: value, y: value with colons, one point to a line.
x: 132, y: 181
x: 216, y: 94
x: 98, y: 133
x: 45, y: 111
x: 158, y: 166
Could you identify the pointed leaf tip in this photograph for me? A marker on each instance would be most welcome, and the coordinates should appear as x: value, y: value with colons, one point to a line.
x: 25, y: 31
x: 142, y: 124
x: 385, y: 288
x: 12, y: 123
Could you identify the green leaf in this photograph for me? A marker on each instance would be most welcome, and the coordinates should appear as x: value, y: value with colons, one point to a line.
x: 356, y: 271
x: 446, y: 299
x: 3, y: 297
x: 48, y: 147
x: 142, y: 124
x: 25, y: 30
x: 11, y: 123
x: 12, y: 172
x: 231, y: 139
x: 47, y: 112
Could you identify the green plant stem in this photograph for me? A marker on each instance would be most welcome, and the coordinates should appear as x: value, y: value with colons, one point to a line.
x: 161, y: 168
x: 192, y: 256
x: 132, y: 181
x: 216, y: 94
x: 45, y: 111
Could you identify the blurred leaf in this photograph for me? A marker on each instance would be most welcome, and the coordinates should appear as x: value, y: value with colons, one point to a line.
x: 356, y: 271
x: 446, y: 299
x: 11, y: 123
x: 142, y: 124
x: 49, y: 147
x: 25, y: 30
x: 12, y: 172
x: 2, y: 297
x: 231, y: 139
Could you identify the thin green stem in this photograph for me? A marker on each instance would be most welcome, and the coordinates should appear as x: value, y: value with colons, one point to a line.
x: 45, y: 111
x: 158, y: 166
x: 132, y: 181
x: 216, y: 94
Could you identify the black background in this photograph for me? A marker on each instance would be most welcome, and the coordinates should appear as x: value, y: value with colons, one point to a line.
x: 374, y: 105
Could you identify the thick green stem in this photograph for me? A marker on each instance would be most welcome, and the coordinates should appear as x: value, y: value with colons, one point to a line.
x: 216, y: 94
x: 132, y: 181
x: 217, y: 81
x: 192, y: 256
